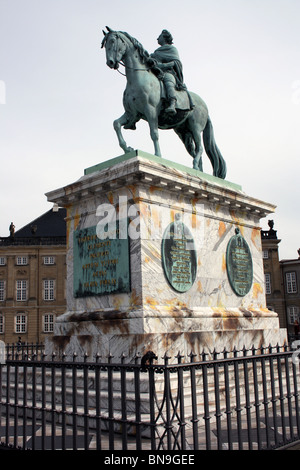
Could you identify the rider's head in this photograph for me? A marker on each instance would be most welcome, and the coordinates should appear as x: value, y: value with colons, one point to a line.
x: 167, y: 36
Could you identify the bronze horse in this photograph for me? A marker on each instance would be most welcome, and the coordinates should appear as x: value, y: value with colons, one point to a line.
x: 143, y: 99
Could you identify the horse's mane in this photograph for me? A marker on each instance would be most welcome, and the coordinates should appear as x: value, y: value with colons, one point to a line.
x: 144, y: 55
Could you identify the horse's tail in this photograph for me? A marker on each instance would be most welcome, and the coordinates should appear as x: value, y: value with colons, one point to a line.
x: 213, y: 153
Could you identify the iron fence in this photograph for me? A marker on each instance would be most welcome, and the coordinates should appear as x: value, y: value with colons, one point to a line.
x: 22, y: 350
x: 245, y: 399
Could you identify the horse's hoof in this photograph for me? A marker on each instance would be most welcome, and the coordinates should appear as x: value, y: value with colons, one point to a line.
x: 129, y: 149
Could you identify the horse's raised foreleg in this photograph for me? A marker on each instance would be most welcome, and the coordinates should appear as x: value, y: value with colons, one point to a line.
x: 118, y: 123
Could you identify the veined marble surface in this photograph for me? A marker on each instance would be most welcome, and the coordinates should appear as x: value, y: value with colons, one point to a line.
x: 152, y: 195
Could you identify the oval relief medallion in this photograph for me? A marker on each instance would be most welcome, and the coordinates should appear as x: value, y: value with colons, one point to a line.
x: 179, y: 258
x: 239, y: 264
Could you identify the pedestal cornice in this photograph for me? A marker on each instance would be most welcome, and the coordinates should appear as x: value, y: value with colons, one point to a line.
x: 153, y: 171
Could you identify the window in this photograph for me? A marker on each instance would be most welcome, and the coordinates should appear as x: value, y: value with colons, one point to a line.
x: 49, y: 260
x: 291, y: 285
x: 268, y: 283
x: 2, y: 261
x: 293, y: 314
x: 20, y: 323
x: 265, y: 254
x: 49, y: 289
x: 48, y: 321
x: 22, y: 260
x: 1, y: 323
x: 21, y: 291
x: 2, y: 290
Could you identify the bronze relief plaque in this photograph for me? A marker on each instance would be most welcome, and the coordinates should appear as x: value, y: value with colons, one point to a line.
x: 101, y: 267
x: 179, y: 258
x: 239, y: 264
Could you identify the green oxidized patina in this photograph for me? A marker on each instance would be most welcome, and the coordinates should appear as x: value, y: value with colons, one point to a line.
x: 101, y: 266
x: 155, y: 92
x: 179, y: 257
x: 239, y: 264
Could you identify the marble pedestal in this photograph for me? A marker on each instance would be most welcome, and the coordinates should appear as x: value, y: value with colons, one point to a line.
x: 150, y: 314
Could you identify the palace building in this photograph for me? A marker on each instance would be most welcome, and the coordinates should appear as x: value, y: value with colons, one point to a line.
x: 33, y: 278
x: 282, y: 282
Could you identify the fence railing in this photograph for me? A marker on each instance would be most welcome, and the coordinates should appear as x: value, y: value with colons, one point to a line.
x: 245, y: 399
x: 24, y: 350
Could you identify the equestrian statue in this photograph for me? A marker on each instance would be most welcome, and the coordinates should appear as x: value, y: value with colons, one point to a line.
x: 156, y: 93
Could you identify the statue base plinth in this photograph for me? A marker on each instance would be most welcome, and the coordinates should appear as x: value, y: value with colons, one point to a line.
x: 167, y: 330
x: 158, y: 306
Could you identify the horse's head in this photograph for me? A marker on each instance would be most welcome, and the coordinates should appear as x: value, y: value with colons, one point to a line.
x: 115, y: 47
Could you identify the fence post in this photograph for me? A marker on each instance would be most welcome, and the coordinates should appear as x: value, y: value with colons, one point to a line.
x: 110, y: 403
x: 74, y: 401
x: 180, y: 398
x: 123, y: 403
x: 256, y: 395
x: 152, y: 398
x: 265, y: 396
x: 218, y: 413
x: 289, y: 396
x: 206, y: 416
x: 273, y: 399
x: 295, y: 366
x: 98, y: 403
x: 228, y: 411
x: 194, y: 419
x: 137, y: 394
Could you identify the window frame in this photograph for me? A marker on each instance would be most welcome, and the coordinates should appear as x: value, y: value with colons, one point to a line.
x: 2, y: 290
x: 21, y: 290
x: 22, y: 260
x: 20, y: 321
x: 293, y: 315
x: 268, y: 283
x: 291, y: 285
x: 2, y: 324
x: 49, y: 260
x: 48, y: 290
x: 48, y: 324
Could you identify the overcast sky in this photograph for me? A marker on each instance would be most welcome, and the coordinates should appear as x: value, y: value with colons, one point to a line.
x: 58, y: 98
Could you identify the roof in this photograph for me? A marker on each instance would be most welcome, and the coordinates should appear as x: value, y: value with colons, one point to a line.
x: 48, y: 229
x: 50, y: 224
x: 290, y: 261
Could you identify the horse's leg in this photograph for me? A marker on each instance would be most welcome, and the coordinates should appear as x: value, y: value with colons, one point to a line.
x: 196, y: 129
x: 199, y: 150
x: 118, y: 123
x: 151, y: 116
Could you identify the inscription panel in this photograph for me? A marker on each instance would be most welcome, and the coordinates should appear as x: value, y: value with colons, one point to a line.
x: 100, y: 266
x: 239, y: 264
x: 179, y: 257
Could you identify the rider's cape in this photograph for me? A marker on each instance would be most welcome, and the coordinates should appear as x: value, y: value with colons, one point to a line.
x: 169, y: 53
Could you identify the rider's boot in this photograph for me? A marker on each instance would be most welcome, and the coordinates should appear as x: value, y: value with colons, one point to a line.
x: 170, y: 83
x: 171, y: 108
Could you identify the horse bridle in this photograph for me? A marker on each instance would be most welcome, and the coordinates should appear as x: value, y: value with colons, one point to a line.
x: 120, y: 61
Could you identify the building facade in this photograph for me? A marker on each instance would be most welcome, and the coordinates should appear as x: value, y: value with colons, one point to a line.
x: 282, y: 282
x: 273, y: 279
x: 290, y: 271
x: 33, y: 278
